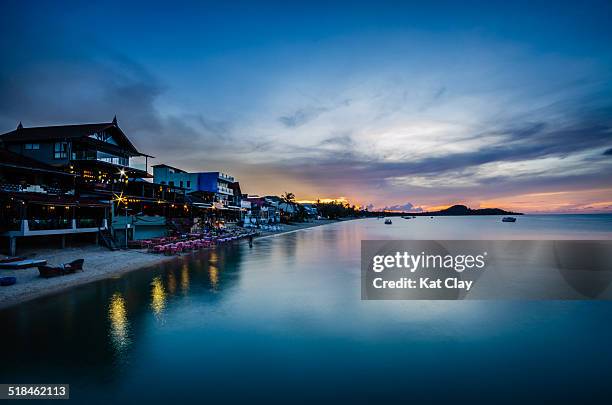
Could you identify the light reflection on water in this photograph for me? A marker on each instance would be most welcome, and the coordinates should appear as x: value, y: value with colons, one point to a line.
x: 185, y: 279
x: 158, y: 296
x: 213, y: 273
x: 119, y: 325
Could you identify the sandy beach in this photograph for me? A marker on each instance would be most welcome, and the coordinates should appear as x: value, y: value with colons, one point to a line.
x: 99, y: 263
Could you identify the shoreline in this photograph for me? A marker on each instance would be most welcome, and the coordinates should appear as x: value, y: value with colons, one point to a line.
x: 100, y: 263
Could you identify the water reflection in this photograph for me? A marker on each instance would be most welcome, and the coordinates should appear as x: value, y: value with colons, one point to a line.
x: 213, y: 275
x: 171, y: 283
x: 158, y: 297
x: 119, y: 325
x: 299, y: 302
x: 185, y: 278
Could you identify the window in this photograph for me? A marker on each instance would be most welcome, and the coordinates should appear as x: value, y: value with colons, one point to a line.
x: 171, y: 183
x: 188, y: 184
x: 32, y: 146
x: 181, y: 183
x: 60, y: 150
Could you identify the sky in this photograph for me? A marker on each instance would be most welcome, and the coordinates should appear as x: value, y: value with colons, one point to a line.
x: 398, y: 105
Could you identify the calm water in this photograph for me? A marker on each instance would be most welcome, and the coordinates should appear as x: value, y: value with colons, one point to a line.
x: 283, y: 321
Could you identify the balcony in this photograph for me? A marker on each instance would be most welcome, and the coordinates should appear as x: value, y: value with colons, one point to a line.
x: 36, y: 224
x: 100, y: 157
x: 35, y: 188
x: 224, y: 190
x: 227, y: 177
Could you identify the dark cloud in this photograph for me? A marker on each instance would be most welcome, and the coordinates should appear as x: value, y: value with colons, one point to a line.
x: 608, y: 152
x: 66, y: 86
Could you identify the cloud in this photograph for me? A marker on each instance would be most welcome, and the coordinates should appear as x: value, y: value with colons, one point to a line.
x: 408, y: 207
x: 406, y: 115
x: 301, y: 116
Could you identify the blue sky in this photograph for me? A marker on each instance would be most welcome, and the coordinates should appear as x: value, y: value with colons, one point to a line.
x: 385, y: 103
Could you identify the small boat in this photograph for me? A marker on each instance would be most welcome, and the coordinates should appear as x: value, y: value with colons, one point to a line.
x: 22, y: 264
x: 388, y: 222
x: 406, y: 217
x: 508, y: 219
x: 6, y: 281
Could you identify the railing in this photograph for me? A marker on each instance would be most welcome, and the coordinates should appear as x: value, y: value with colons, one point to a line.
x: 87, y: 223
x: 48, y: 224
x: 225, y: 190
x: 94, y: 155
x: 35, y: 188
x: 226, y: 177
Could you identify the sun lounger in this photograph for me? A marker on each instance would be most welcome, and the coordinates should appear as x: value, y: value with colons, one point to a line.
x: 6, y: 281
x: 73, y: 266
x: 22, y: 264
x: 50, y: 271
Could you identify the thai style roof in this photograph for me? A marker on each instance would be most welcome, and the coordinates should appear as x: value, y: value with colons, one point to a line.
x: 66, y: 132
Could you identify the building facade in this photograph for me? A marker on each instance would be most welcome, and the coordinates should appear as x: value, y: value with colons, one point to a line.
x: 75, y: 179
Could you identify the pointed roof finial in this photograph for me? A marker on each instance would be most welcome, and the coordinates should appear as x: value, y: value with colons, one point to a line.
x: 20, y: 126
x: 115, y: 120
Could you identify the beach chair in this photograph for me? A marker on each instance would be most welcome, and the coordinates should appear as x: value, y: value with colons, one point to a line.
x: 50, y: 271
x: 73, y: 266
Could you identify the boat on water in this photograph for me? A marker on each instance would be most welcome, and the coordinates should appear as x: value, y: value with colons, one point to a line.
x: 406, y: 217
x: 388, y: 221
x: 508, y: 219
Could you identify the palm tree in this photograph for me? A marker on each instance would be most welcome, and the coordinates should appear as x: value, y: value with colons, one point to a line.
x: 288, y: 197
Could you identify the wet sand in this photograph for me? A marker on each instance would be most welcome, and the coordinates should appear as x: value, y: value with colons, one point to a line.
x: 99, y: 263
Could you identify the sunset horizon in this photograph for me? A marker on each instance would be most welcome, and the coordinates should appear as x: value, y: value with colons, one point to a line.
x: 437, y: 107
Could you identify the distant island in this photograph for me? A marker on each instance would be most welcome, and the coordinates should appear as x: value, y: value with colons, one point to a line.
x: 458, y: 210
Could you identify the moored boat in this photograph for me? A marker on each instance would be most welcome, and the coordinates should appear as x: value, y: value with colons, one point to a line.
x: 388, y: 221
x: 508, y: 219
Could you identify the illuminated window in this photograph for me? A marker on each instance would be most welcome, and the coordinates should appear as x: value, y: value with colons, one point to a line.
x: 32, y: 146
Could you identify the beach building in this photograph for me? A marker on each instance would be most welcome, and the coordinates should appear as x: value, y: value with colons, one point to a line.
x: 260, y: 211
x: 92, y: 184
x: 215, y: 191
x: 37, y: 199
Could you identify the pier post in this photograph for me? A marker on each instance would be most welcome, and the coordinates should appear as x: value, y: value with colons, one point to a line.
x: 63, y: 241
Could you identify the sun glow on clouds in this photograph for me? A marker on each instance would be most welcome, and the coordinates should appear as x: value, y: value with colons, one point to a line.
x: 598, y: 200
x: 404, y: 112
